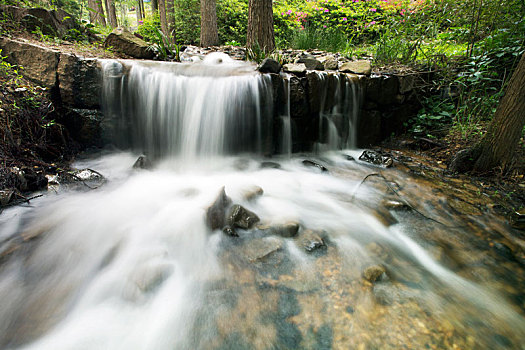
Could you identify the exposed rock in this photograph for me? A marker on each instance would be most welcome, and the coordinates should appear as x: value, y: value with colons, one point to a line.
x: 79, y: 81
x: 295, y: 68
x: 311, y: 241
x: 330, y: 63
x: 142, y: 162
x: 252, y: 193
x: 464, y: 160
x: 357, y: 67
x: 86, y: 175
x: 311, y: 163
x: 369, y: 128
x: 287, y: 230
x: 121, y: 40
x: 386, y: 294
x: 377, y: 158
x: 384, y: 216
x: 269, y: 65
x: 394, y: 204
x: 40, y: 64
x: 311, y: 63
x: 229, y: 231
x: 6, y: 196
x: 373, y: 273
x: 298, y: 99
x: 84, y: 125
x: 314, y: 91
x: 242, y: 217
x: 349, y: 157
x: 406, y: 83
x: 216, y: 213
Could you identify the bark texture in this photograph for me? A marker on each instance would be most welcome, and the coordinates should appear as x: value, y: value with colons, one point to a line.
x: 260, y: 26
x: 162, y: 16
x: 209, y: 33
x: 112, y: 13
x: 96, y: 13
x: 498, y: 145
x: 170, y: 15
x: 154, y: 6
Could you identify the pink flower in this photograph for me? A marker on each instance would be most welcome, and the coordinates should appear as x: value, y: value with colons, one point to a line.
x: 324, y: 26
x: 345, y: 19
x: 373, y: 9
x: 289, y: 12
x: 325, y: 10
x: 372, y: 23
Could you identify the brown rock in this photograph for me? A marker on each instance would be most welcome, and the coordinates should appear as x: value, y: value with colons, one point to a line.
x: 373, y: 273
x: 357, y: 67
x: 123, y: 41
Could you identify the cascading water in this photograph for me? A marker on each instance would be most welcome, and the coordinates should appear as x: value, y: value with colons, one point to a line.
x: 133, y: 264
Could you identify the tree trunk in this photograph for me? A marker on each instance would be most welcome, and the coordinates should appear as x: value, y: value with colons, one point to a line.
x: 96, y: 12
x: 154, y: 6
x: 100, y: 10
x: 260, y: 26
x: 170, y: 14
x: 209, y: 33
x: 139, y: 12
x: 162, y: 16
x: 112, y: 13
x: 498, y: 145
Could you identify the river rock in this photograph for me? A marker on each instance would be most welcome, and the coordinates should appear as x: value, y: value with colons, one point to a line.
x: 229, y: 231
x: 394, y: 204
x: 269, y: 65
x: 252, y: 193
x: 330, y: 63
x: 287, y: 230
x: 261, y: 248
x: 142, y: 162
x: 311, y: 163
x: 242, y: 217
x: 311, y: 241
x: 373, y: 273
x: 311, y: 63
x: 357, y: 67
x: 216, y: 213
x: 377, y: 158
x: 295, y: 68
x: 271, y: 165
x: 123, y: 41
x: 6, y: 196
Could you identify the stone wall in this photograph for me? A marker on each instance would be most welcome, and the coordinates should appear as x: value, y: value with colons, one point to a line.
x: 386, y: 101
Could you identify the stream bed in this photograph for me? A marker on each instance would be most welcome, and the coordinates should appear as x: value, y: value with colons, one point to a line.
x: 339, y: 259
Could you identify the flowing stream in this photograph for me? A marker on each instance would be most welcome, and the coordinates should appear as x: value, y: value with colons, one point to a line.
x: 133, y: 265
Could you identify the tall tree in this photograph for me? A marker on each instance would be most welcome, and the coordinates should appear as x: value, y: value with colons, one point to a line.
x: 498, y: 145
x: 209, y: 32
x: 170, y: 14
x: 154, y: 6
x: 139, y: 11
x: 496, y: 148
x: 260, y: 25
x: 162, y: 15
x: 112, y: 13
x: 96, y: 12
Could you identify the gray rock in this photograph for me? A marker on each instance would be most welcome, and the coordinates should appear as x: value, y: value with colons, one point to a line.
x: 374, y: 273
x: 216, y: 213
x: 6, y: 196
x: 311, y: 241
x: 241, y: 217
x: 79, y: 81
x: 518, y: 219
x: 377, y: 158
x: 295, y: 68
x: 313, y: 164
x: 261, y: 248
x: 229, y: 231
x: 357, y: 67
x: 123, y: 41
x: 331, y: 63
x: 269, y: 65
x: 142, y: 162
x: 311, y: 63
x: 298, y: 99
x: 287, y: 230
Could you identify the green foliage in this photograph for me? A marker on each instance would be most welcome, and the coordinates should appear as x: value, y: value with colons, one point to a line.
x: 164, y: 46
x: 232, y: 20
x: 149, y: 28
x: 187, y: 21
x: 329, y: 40
x: 8, y: 71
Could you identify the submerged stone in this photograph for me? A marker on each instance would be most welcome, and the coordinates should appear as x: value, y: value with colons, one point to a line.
x: 142, y: 162
x: 229, y: 231
x: 287, y: 230
x: 311, y: 163
x: 271, y: 165
x: 311, y: 241
x: 242, y: 217
x: 373, y: 273
x: 252, y: 193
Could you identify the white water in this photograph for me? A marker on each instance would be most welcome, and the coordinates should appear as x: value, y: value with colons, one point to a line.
x: 129, y: 265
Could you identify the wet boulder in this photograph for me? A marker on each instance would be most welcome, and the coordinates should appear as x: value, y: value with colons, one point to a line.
x: 311, y: 63
x: 518, y: 219
x: 287, y: 230
x: 377, y: 158
x: 311, y: 241
x: 330, y: 63
x: 269, y: 65
x: 229, y: 231
x: 241, y: 217
x: 142, y: 162
x: 123, y: 41
x: 295, y: 68
x: 313, y: 164
x: 216, y: 213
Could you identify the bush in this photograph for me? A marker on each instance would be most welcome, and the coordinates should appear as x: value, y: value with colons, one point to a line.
x: 232, y: 20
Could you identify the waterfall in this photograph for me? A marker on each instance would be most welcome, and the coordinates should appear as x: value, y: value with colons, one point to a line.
x: 187, y: 110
